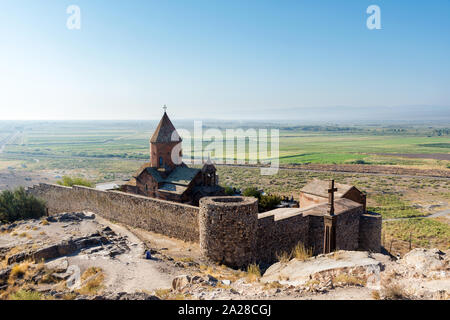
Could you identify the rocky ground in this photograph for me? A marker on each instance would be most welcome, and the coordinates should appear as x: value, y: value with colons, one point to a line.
x: 82, y: 256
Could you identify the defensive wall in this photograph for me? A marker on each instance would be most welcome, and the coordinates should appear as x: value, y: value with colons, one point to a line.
x: 165, y: 217
x: 229, y: 229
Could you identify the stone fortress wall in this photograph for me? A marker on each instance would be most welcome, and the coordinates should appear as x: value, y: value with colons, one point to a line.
x: 172, y: 219
x: 230, y: 229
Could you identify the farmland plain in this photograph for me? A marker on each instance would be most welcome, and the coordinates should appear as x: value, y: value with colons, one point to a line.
x: 112, y: 150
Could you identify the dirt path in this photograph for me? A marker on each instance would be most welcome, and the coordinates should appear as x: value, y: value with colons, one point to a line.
x: 129, y: 272
x: 434, y: 215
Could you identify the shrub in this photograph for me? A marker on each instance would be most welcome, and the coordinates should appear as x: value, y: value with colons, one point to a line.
x: 70, y: 182
x: 251, y: 192
x: 18, y: 204
x: 269, y: 202
x: 229, y: 191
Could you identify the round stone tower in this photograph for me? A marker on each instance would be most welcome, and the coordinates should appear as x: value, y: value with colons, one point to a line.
x: 228, y: 227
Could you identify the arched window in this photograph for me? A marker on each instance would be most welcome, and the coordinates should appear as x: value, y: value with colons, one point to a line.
x: 160, y: 161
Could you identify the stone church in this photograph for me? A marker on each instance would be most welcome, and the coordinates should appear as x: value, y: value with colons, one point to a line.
x: 167, y: 177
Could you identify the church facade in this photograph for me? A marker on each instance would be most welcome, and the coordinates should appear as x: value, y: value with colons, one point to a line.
x: 167, y: 177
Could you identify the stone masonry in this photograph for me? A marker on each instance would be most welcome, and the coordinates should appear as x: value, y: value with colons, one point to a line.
x: 229, y: 229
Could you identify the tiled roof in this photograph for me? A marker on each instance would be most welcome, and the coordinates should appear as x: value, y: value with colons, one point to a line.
x: 155, y: 174
x: 320, y: 188
x: 165, y: 132
x: 173, y: 188
x: 182, y: 175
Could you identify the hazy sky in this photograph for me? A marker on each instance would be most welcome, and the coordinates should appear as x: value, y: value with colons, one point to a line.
x: 209, y: 58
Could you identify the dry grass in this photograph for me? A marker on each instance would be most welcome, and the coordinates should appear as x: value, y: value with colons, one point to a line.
x: 93, y: 281
x: 90, y: 272
x: 376, y: 295
x: 18, y: 271
x: 283, y: 256
x: 44, y: 222
x: 163, y: 294
x: 394, y: 292
x: 69, y: 296
x: 167, y: 294
x: 253, y: 273
x: 337, y: 255
x: 312, y: 283
x: 350, y: 280
x: 272, y: 285
x: 185, y: 259
x: 300, y: 252
x: 221, y: 272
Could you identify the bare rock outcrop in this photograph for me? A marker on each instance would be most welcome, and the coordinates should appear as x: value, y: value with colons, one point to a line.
x: 324, y: 267
x: 425, y: 260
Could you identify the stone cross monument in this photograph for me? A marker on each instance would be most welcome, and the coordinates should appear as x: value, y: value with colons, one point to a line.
x: 329, y: 222
x: 331, y: 192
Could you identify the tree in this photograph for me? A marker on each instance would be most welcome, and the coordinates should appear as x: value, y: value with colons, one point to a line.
x: 18, y: 204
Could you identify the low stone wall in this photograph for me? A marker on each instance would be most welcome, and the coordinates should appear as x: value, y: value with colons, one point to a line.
x: 370, y: 232
x: 168, y: 218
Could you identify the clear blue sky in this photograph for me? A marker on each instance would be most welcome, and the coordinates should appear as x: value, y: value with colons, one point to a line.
x: 210, y: 58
